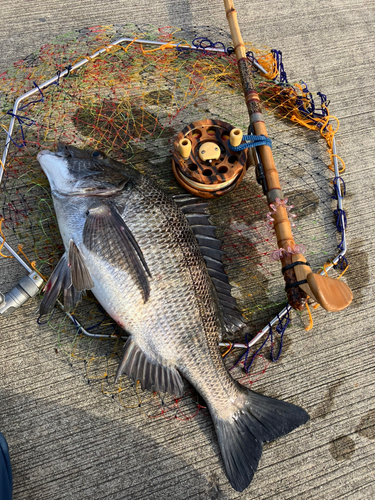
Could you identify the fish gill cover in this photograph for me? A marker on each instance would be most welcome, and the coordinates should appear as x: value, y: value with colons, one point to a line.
x: 131, y: 102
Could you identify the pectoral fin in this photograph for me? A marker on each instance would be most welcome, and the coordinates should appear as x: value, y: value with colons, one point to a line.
x: 106, y: 234
x: 71, y: 297
x: 80, y: 275
x: 60, y: 279
x: 152, y: 375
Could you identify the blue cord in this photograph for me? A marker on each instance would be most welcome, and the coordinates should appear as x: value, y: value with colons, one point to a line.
x: 252, y: 141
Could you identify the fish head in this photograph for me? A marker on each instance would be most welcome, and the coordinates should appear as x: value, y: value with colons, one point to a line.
x: 72, y: 171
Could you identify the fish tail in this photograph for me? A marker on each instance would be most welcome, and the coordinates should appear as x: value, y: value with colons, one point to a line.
x: 241, y: 436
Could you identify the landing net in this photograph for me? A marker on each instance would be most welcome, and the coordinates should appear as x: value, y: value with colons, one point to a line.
x: 130, y: 102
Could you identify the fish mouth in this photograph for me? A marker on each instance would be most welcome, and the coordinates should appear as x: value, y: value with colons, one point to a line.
x: 46, y: 152
x: 67, y: 150
x: 63, y: 151
x: 58, y: 154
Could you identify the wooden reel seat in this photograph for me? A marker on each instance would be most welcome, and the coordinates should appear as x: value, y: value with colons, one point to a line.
x: 331, y: 294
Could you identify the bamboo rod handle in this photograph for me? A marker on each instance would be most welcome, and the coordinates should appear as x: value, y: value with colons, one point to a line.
x: 285, y: 240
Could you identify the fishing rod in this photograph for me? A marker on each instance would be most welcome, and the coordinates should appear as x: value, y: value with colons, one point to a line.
x: 301, y: 282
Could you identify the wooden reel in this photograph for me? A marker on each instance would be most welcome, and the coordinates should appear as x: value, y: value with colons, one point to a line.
x: 202, y: 162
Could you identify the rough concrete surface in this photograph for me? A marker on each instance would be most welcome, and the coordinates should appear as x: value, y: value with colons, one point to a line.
x: 69, y: 441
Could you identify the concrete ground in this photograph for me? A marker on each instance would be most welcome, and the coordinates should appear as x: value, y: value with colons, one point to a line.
x: 69, y: 441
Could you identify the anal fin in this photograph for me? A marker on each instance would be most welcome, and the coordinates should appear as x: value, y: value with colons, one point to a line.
x: 152, y: 375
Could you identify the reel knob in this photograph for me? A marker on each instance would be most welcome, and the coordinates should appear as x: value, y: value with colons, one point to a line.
x: 235, y: 137
x: 184, y: 148
x: 210, y: 168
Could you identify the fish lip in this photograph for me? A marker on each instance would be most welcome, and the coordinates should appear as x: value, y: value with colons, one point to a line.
x: 45, y: 152
x: 69, y: 151
x: 63, y: 151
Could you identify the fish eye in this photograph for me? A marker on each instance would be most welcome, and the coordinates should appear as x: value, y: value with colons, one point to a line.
x: 97, y: 154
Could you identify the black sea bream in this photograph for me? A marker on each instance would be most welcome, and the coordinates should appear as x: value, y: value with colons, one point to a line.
x: 160, y: 278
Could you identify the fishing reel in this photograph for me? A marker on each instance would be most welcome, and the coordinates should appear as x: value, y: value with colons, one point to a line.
x: 203, y: 162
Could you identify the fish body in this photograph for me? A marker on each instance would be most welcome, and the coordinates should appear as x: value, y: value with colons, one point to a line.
x: 159, y: 277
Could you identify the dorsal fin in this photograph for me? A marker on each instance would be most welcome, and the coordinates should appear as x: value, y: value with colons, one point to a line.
x: 194, y: 210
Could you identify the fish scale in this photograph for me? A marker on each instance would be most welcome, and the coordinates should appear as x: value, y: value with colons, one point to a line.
x: 188, y: 281
x: 130, y: 240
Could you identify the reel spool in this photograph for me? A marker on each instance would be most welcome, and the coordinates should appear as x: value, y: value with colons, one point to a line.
x: 202, y: 162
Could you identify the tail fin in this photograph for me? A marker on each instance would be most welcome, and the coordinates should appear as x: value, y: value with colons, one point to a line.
x: 241, y: 436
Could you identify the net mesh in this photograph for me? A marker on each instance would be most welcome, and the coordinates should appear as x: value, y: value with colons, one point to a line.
x: 131, y: 102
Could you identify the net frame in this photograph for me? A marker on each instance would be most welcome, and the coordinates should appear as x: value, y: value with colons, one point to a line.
x: 284, y: 313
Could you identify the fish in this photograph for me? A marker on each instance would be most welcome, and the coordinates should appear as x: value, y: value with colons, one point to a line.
x: 154, y: 264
